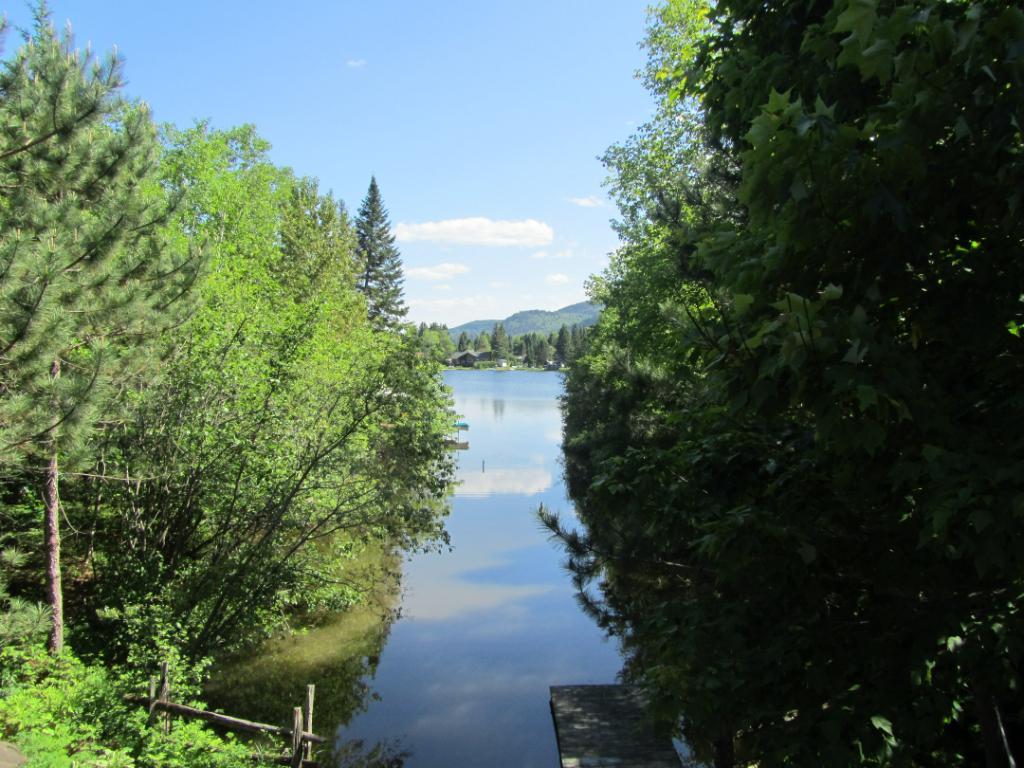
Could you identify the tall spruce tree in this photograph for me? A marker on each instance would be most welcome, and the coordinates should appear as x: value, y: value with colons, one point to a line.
x: 380, y: 279
x: 82, y: 270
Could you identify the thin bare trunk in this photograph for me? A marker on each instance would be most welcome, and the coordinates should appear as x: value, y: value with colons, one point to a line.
x: 993, y: 734
x: 51, y: 524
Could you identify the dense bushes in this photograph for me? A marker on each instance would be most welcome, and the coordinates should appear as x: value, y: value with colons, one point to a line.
x: 62, y: 712
x: 796, y: 441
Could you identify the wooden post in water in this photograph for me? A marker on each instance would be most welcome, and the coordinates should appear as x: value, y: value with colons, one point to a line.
x: 310, y: 695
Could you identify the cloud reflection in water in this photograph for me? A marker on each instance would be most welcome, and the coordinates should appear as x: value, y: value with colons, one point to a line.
x: 526, y: 481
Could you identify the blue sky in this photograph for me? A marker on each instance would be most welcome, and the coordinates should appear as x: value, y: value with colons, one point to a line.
x: 481, y: 119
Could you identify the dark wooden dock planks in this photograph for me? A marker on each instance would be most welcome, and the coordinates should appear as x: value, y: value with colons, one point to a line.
x: 601, y: 726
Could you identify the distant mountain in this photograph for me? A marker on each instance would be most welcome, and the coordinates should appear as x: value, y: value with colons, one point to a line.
x: 534, y: 321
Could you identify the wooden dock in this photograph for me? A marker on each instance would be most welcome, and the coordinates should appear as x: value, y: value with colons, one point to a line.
x: 601, y: 726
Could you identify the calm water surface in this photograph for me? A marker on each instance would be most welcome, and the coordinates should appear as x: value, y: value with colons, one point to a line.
x: 486, y: 628
x: 461, y: 677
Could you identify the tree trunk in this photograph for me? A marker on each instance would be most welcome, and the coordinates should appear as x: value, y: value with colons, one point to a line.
x: 51, y: 525
x: 993, y: 735
x: 725, y: 752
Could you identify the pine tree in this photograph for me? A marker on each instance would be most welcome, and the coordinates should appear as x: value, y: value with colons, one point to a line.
x: 499, y: 342
x: 564, y: 346
x: 380, y: 278
x: 463, y: 341
x: 576, y: 338
x: 83, y: 274
x: 530, y: 349
x: 542, y: 352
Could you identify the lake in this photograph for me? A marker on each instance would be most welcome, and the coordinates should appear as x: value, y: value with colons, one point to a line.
x: 461, y: 676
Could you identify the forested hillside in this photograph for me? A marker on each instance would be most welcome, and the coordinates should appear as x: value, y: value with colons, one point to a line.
x: 796, y: 442
x: 538, y: 321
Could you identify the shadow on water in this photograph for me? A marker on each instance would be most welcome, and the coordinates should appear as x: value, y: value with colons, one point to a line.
x: 340, y: 656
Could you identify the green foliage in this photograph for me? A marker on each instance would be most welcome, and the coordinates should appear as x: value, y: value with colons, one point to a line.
x: 85, y: 279
x: 499, y: 343
x: 180, y: 325
x: 63, y: 713
x: 84, y: 273
x: 435, y: 343
x: 796, y: 442
x: 564, y: 348
x: 20, y: 620
x: 284, y: 435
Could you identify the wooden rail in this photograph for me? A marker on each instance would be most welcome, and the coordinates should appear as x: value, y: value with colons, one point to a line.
x: 225, y: 721
x: 300, y: 734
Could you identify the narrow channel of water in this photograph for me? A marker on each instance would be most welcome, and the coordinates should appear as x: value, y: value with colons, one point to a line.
x: 461, y: 678
x: 487, y: 627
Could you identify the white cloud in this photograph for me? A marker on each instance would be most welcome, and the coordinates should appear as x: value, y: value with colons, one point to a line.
x: 587, y: 202
x: 477, y: 231
x: 355, y: 63
x: 556, y: 278
x: 444, y: 271
x: 498, y: 284
x: 564, y: 254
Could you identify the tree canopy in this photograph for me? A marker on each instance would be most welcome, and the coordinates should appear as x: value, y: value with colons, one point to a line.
x: 796, y: 440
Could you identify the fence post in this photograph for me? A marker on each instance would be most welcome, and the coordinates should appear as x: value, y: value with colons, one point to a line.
x: 297, y: 737
x: 310, y: 695
x: 152, y: 698
x: 165, y: 692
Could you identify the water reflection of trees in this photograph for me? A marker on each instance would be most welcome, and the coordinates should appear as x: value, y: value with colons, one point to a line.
x: 498, y: 406
x: 340, y: 657
x: 354, y: 754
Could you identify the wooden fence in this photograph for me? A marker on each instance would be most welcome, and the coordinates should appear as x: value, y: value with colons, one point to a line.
x: 300, y: 735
